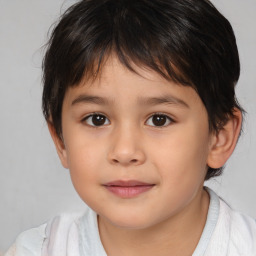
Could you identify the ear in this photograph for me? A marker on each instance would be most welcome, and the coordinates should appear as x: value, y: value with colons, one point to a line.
x: 59, y: 145
x: 224, y: 141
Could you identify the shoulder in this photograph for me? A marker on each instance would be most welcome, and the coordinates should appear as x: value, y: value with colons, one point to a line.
x: 234, y: 233
x: 238, y: 230
x: 28, y: 243
x: 62, y: 235
x: 242, y: 234
x: 50, y: 236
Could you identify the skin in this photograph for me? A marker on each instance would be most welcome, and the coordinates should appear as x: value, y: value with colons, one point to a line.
x: 169, y: 218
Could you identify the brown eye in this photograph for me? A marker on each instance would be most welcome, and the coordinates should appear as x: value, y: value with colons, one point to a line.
x: 159, y: 120
x: 96, y: 120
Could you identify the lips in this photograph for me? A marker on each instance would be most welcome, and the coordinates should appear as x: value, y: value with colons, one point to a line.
x: 129, y: 188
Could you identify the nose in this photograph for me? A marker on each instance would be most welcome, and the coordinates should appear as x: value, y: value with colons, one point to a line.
x: 126, y: 147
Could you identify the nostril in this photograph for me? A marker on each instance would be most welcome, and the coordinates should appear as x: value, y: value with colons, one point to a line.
x: 132, y: 161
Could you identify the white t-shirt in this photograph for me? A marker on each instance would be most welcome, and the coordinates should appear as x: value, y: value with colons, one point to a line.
x: 226, y: 233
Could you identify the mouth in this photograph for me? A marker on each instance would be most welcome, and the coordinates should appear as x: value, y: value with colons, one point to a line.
x: 129, y: 188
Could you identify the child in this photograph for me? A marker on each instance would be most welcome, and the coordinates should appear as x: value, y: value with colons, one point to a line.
x: 139, y: 100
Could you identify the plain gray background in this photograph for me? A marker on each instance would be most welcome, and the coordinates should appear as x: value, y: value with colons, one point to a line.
x: 33, y: 185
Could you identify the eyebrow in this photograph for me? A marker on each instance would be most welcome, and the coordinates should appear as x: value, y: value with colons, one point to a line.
x: 166, y: 99
x: 151, y: 101
x: 84, y: 98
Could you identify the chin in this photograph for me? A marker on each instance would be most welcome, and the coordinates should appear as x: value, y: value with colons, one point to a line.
x: 130, y: 222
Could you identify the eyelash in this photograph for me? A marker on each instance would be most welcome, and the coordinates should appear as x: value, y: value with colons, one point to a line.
x: 152, y: 115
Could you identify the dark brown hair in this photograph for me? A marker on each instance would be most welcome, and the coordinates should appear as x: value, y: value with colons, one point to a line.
x: 186, y: 41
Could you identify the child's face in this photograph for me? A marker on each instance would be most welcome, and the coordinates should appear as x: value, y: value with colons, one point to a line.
x: 165, y: 155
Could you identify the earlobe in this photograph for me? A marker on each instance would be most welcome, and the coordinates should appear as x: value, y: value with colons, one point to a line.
x: 224, y: 142
x: 59, y: 145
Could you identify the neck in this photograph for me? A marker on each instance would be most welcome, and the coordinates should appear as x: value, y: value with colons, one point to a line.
x: 178, y: 235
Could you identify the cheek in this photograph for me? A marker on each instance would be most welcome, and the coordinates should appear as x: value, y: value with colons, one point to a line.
x: 84, y: 158
x: 182, y: 158
x: 82, y: 148
x: 84, y: 173
x: 182, y: 167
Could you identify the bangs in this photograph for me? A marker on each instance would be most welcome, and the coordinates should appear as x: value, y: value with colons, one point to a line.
x: 132, y: 35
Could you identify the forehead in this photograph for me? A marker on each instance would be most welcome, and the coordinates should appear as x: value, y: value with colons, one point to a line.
x: 115, y: 82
